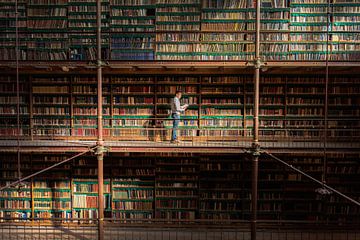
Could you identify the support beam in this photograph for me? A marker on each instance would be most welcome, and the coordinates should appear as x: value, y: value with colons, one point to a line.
x: 255, y: 157
x: 100, y: 141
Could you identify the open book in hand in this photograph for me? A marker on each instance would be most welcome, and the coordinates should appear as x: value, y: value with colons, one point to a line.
x: 186, y: 106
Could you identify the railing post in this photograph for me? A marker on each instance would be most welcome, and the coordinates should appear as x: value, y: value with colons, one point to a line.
x: 100, y: 141
x: 255, y: 145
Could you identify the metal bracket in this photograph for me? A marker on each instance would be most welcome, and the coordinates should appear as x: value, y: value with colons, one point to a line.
x: 101, y: 150
x: 258, y: 63
x: 255, y: 150
x: 101, y: 63
x: 98, y: 63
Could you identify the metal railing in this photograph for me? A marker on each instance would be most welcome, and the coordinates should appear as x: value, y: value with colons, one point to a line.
x: 224, y: 131
x: 162, y: 229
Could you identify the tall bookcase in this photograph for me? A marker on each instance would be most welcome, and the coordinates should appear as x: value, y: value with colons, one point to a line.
x: 176, y: 187
x: 51, y: 194
x: 221, y: 107
x: 8, y: 105
x: 160, y: 30
x: 180, y: 186
x: 15, y: 202
x: 132, y: 29
x: 47, y: 30
x: 222, y: 188
x: 133, y: 187
x: 51, y: 106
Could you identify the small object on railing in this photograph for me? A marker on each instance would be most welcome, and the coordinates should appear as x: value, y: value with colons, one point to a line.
x: 323, y: 191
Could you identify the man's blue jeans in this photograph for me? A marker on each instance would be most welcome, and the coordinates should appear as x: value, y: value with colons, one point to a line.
x: 176, y: 122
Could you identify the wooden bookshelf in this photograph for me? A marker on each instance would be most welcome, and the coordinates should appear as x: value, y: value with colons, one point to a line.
x: 181, y: 186
x: 176, y: 188
x: 221, y: 107
x: 159, y: 30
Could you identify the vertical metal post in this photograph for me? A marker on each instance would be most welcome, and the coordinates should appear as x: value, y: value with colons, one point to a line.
x: 255, y: 158
x: 100, y: 142
x: 17, y: 88
x: 326, y: 90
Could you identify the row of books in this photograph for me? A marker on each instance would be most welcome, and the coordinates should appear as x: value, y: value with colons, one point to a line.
x: 133, y: 205
x: 13, y: 110
x: 272, y: 51
x: 40, y: 213
x: 14, y: 204
x: 51, y: 194
x: 133, y: 111
x: 228, y: 196
x: 14, y: 215
x: 221, y: 206
x: 133, y: 193
x: 89, y: 187
x: 173, y: 203
x: 40, y: 204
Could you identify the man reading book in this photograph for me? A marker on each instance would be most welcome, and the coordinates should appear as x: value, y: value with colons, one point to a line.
x: 176, y: 110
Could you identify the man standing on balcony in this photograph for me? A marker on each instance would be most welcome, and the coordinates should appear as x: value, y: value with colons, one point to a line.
x: 176, y: 110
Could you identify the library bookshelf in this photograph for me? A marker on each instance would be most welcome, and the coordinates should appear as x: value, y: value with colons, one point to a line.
x: 206, y: 48
x: 180, y: 186
x: 221, y: 107
x: 197, y: 30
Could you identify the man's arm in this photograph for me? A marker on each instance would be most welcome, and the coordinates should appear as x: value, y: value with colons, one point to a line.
x: 178, y: 107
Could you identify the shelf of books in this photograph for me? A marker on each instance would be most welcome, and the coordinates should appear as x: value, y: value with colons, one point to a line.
x: 275, y: 25
x: 149, y: 30
x: 270, y: 188
x: 345, y: 27
x: 166, y: 89
x: 305, y: 107
x: 8, y: 106
x: 181, y: 31
x: 180, y: 186
x: 47, y: 37
x: 8, y: 27
x: 15, y: 202
x: 133, y: 106
x: 133, y: 29
x: 52, y: 198
x: 232, y: 18
x: 222, y: 107
x: 221, y: 192
x: 343, y: 96
x: 85, y: 198
x: 50, y: 114
x: 84, y: 106
x: 342, y: 172
x: 133, y: 188
x: 272, y: 107
x: 51, y: 191
x: 82, y: 29
x: 178, y: 25
x: 309, y: 24
x: 309, y: 206
x: 176, y: 187
x: 309, y: 27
